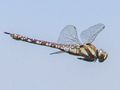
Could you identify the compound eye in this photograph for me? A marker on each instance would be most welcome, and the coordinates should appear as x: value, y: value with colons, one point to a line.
x: 102, y: 55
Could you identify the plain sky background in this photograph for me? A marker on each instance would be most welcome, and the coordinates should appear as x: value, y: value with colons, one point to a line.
x: 25, y: 66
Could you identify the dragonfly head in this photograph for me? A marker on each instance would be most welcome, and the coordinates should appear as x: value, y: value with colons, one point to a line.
x: 102, y: 55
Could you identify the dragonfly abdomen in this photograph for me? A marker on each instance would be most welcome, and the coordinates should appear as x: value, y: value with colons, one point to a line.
x: 72, y: 49
x: 35, y: 41
x: 86, y: 50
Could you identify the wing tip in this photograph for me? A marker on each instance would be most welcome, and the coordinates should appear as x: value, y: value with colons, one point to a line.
x: 102, y: 25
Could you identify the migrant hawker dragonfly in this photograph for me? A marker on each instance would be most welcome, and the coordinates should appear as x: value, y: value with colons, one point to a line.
x: 68, y: 42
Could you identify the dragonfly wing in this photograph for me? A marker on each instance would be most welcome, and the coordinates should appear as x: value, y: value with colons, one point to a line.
x: 68, y: 36
x: 89, y: 35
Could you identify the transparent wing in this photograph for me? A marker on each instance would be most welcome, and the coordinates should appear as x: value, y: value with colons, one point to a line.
x: 89, y: 35
x: 68, y: 36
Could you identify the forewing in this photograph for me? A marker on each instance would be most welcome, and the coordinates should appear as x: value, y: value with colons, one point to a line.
x: 68, y: 36
x: 89, y: 35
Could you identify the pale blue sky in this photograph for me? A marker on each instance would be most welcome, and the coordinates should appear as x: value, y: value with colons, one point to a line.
x: 25, y: 66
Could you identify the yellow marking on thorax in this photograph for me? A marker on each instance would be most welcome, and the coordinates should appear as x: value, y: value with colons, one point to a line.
x: 93, y: 47
x: 83, y: 51
x: 91, y: 50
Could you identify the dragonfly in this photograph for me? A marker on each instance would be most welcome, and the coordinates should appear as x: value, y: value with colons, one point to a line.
x: 68, y: 42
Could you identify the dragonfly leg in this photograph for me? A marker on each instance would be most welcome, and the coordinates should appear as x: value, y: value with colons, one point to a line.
x: 58, y: 52
x: 86, y: 59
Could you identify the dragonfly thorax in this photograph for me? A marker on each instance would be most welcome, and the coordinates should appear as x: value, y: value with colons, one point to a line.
x: 88, y: 51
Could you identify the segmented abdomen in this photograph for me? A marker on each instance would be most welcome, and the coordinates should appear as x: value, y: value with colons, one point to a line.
x: 87, y: 50
x: 35, y: 41
x: 62, y: 47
